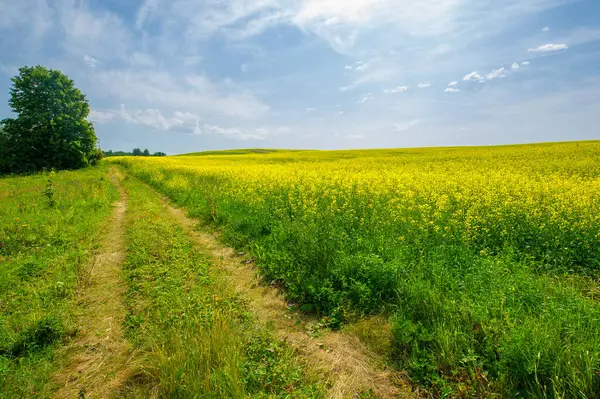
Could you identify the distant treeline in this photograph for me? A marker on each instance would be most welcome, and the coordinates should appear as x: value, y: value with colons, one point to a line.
x: 135, y: 153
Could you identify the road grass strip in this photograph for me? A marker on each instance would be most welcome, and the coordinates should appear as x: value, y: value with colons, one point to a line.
x: 195, y: 335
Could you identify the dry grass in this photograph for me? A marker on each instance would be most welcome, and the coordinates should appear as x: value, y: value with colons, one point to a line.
x: 100, y: 358
x: 341, y: 358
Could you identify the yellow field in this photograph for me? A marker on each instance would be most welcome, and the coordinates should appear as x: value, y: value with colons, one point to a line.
x: 483, y: 258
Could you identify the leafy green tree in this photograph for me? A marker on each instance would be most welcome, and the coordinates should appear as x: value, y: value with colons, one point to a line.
x: 146, y: 153
x: 51, y: 129
x: 136, y: 152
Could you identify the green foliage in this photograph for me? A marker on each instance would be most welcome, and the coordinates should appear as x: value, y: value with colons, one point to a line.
x: 43, y: 251
x: 51, y: 129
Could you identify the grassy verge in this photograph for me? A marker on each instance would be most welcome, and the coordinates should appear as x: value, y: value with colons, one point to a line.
x: 197, y: 337
x: 49, y: 224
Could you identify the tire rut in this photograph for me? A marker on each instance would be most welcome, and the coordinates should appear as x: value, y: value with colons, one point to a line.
x: 100, y: 357
x: 345, y: 364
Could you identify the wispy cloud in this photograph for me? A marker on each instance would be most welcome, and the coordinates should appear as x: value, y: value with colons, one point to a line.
x: 497, y: 73
x: 90, y: 61
x: 180, y: 121
x: 473, y: 76
x: 236, y: 133
x: 454, y: 83
x: 194, y: 92
x: 403, y: 127
x: 365, y: 98
x: 548, y: 47
x: 424, y: 85
x: 545, y: 29
x: 451, y: 90
x: 398, y: 89
x: 148, y: 117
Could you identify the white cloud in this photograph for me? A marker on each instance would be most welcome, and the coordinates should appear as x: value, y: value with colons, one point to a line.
x: 145, y: 12
x: 424, y: 85
x: 340, y: 23
x: 181, y: 121
x: 339, y: 113
x: 473, y: 76
x: 398, y: 89
x: 310, y: 110
x: 365, y: 98
x: 548, y: 47
x: 83, y: 30
x: 348, y: 67
x: 153, y: 118
x: 147, y: 117
x: 497, y: 73
x: 89, y: 62
x: 191, y: 92
x: 383, y: 74
x: 403, y: 127
x: 524, y: 63
x: 453, y: 83
x: 451, y: 90
x: 545, y: 29
x: 102, y: 116
x: 236, y: 133
x: 515, y: 66
x: 362, y: 67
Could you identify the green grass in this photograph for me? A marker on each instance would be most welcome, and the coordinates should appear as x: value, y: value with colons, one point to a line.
x: 196, y: 336
x: 49, y: 224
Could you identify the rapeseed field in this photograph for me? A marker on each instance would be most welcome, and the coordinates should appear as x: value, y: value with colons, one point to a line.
x: 485, y: 260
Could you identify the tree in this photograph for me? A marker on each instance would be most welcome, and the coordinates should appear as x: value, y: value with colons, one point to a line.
x: 51, y: 129
x: 135, y: 152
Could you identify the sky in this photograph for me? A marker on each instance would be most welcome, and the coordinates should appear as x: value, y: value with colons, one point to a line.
x: 190, y: 75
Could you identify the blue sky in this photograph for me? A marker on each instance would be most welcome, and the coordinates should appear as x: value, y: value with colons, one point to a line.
x: 189, y: 75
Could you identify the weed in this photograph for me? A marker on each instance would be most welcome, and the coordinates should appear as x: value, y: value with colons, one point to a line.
x: 50, y: 190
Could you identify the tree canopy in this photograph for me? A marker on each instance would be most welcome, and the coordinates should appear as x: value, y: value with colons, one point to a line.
x: 51, y: 129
